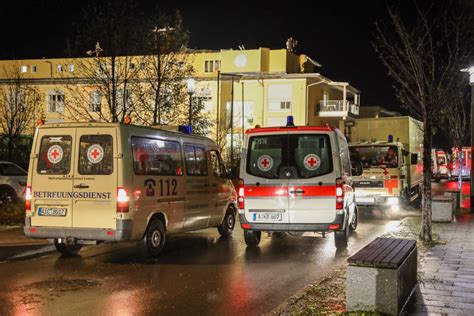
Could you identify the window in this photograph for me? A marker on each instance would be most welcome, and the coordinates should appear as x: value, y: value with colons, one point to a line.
x: 95, y: 100
x: 285, y: 105
x: 71, y: 67
x: 10, y: 169
x: 132, y: 66
x: 196, y: 162
x: 60, y: 68
x: 54, y: 155
x: 123, y: 101
x: 217, y: 165
x: 23, y: 69
x: 96, y: 154
x: 345, y: 158
x: 33, y: 69
x: 297, y: 156
x: 15, y: 100
x: 142, y: 66
x: 156, y: 157
x: 212, y: 65
x: 279, y: 97
x: 55, y: 99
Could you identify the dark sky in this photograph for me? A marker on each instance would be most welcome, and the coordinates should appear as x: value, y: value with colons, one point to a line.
x: 337, y: 34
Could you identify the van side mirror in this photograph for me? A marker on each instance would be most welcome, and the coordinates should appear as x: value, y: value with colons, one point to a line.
x: 414, y: 159
x: 357, y: 168
x: 405, y: 152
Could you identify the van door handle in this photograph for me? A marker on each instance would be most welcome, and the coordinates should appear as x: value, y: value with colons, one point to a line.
x: 81, y: 186
x: 297, y: 191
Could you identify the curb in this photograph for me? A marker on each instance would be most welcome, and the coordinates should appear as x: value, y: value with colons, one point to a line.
x: 24, y: 251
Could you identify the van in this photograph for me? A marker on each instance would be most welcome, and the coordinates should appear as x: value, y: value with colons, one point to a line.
x: 95, y: 182
x: 296, y: 179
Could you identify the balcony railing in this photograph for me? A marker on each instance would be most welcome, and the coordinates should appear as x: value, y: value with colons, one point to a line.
x: 338, y: 106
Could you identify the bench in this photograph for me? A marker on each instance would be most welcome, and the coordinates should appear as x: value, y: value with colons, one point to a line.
x: 442, y: 208
x: 382, y: 276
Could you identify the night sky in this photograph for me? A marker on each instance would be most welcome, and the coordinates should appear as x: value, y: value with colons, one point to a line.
x: 337, y: 34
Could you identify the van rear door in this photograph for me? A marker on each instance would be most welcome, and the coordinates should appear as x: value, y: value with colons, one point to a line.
x: 52, y: 177
x: 266, y: 182
x: 95, y: 178
x: 312, y: 187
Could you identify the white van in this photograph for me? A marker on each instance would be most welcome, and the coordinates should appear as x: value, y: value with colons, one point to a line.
x: 296, y: 179
x: 93, y: 182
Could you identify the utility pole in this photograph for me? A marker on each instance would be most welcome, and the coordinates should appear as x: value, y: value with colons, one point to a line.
x: 470, y: 70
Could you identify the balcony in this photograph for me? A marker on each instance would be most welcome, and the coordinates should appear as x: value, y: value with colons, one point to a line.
x: 337, y: 108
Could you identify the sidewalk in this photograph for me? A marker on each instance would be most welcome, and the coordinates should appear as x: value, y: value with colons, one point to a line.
x: 14, y: 244
x: 446, y: 271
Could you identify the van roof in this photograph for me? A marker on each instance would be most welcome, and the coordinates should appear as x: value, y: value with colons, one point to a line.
x: 119, y: 125
x: 325, y: 128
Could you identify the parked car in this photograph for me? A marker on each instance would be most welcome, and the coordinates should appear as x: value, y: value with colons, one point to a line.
x: 12, y: 182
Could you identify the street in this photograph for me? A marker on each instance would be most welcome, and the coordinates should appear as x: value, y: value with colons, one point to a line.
x: 198, y: 273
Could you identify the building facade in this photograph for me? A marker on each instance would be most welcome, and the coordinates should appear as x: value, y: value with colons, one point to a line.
x: 239, y: 88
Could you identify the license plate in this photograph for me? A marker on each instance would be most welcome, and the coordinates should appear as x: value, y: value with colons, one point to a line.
x: 52, y: 211
x: 365, y: 199
x: 267, y: 216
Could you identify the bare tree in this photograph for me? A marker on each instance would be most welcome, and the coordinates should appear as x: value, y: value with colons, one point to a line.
x: 168, y: 64
x: 19, y: 103
x: 423, y: 57
x: 103, y: 85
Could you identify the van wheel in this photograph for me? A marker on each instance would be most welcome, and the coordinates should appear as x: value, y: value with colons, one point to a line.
x: 252, y: 238
x: 341, y: 237
x: 227, y: 226
x: 355, y: 220
x: 68, y: 250
x: 154, y: 240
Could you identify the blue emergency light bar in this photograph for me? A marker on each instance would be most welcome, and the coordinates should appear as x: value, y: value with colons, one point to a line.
x: 290, y: 121
x: 187, y: 129
x: 390, y: 138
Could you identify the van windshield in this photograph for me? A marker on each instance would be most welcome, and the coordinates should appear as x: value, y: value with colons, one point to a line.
x: 375, y: 156
x: 295, y: 156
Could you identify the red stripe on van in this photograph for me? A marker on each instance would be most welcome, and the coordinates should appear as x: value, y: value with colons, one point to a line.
x: 292, y: 129
x: 325, y: 190
x: 266, y: 191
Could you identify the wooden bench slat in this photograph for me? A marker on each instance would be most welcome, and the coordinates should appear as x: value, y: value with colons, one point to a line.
x: 361, y: 255
x: 387, y: 242
x: 383, y: 252
x: 398, y: 259
x: 393, y: 248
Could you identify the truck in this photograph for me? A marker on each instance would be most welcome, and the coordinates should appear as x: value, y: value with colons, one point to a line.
x: 386, y: 154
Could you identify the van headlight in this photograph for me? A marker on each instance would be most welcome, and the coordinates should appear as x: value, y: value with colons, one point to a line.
x: 392, y: 201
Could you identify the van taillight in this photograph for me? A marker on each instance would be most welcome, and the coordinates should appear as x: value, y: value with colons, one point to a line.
x: 339, y: 195
x: 241, y: 194
x: 28, y: 198
x: 122, y: 200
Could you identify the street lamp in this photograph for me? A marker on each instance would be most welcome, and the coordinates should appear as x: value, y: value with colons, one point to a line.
x: 470, y: 70
x: 191, y: 83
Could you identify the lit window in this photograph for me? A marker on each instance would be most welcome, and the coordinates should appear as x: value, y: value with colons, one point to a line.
x: 33, y: 68
x: 95, y: 99
x: 55, y: 99
x: 23, y: 69
x: 60, y: 68
x: 71, y: 67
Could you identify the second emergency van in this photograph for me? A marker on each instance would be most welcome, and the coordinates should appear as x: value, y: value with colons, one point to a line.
x: 94, y: 182
x: 296, y: 179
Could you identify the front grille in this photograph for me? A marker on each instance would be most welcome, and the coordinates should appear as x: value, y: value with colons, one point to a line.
x: 368, y: 184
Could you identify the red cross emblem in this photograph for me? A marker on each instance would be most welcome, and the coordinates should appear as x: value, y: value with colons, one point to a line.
x: 55, y: 154
x: 95, y: 153
x: 312, y: 162
x: 265, y: 163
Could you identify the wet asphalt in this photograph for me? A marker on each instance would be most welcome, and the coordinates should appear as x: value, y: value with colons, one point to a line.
x: 198, y: 273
